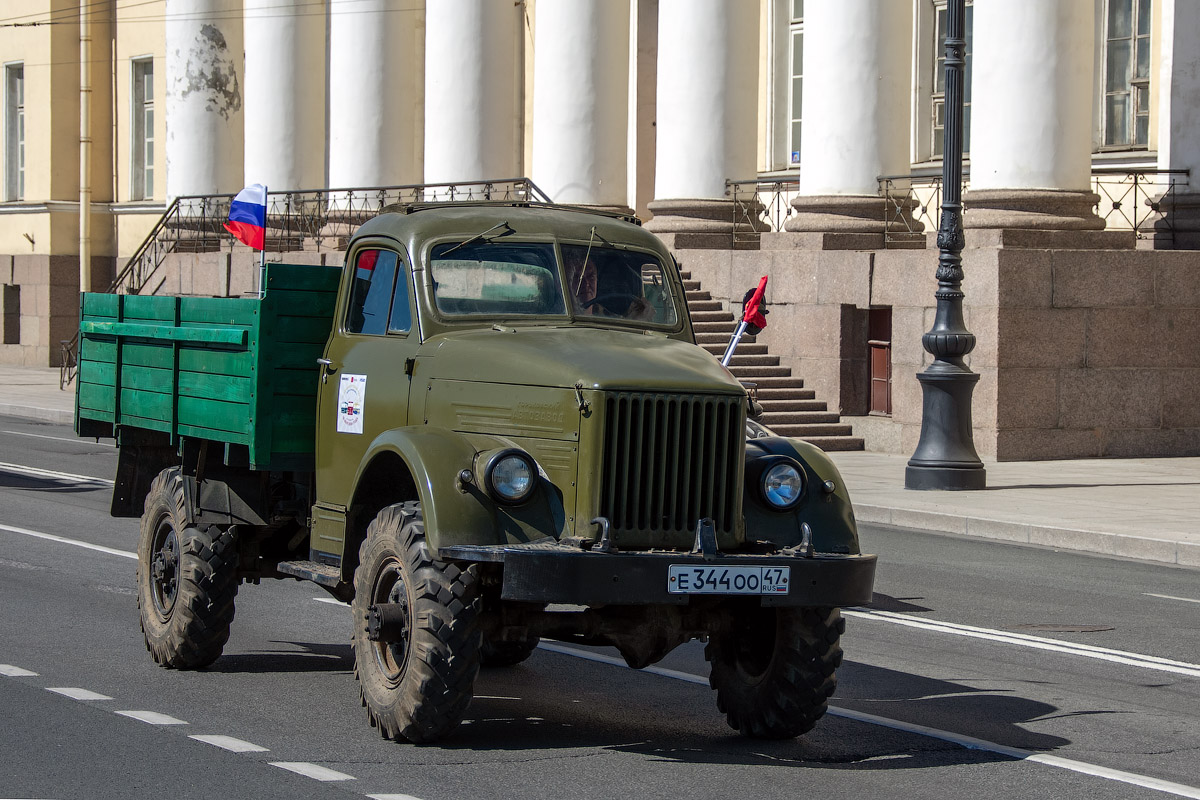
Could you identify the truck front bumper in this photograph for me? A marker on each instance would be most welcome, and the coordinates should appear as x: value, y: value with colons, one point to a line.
x: 556, y: 573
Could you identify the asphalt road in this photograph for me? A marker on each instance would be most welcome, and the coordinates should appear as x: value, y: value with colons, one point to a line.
x: 981, y: 670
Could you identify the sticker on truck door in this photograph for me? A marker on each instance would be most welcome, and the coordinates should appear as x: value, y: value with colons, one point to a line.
x: 352, y: 396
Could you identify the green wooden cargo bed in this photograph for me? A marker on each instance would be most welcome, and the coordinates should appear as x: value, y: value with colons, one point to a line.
x: 240, y: 371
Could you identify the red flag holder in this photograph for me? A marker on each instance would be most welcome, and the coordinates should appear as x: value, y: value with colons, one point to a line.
x: 754, y: 314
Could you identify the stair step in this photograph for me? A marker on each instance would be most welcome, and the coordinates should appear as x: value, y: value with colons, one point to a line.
x: 741, y: 359
x: 773, y: 419
x: 705, y: 306
x: 697, y: 294
x: 755, y: 373
x: 715, y: 315
x: 770, y: 384
x: 799, y: 400
x: 834, y: 443
x: 721, y: 328
x: 804, y: 431
x: 716, y: 337
x: 743, y: 349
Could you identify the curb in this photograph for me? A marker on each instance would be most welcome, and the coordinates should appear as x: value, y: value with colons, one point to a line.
x: 56, y: 415
x: 1122, y: 545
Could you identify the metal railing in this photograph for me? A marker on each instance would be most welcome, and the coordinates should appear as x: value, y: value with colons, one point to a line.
x: 761, y: 205
x: 1130, y: 199
x: 323, y: 219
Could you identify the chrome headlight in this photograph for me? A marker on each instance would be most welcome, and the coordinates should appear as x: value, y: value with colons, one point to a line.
x: 782, y: 485
x: 510, y: 476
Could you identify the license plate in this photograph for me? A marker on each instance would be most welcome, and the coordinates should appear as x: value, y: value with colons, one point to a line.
x: 684, y: 579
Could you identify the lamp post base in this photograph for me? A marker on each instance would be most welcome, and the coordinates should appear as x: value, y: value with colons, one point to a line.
x: 964, y: 478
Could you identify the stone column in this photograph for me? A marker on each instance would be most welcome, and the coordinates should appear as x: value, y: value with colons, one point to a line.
x: 707, y: 115
x: 581, y: 102
x: 472, y: 108
x: 285, y: 94
x: 203, y: 108
x: 1178, y: 122
x: 374, y: 72
x: 1031, y: 116
x: 857, y: 82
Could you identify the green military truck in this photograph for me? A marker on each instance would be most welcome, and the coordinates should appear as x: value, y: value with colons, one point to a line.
x: 492, y: 426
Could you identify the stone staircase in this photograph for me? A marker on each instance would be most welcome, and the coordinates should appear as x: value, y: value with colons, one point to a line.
x: 789, y: 408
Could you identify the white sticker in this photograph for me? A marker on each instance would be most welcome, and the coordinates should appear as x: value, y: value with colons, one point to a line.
x: 352, y: 397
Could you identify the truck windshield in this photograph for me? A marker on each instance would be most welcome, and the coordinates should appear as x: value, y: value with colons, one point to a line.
x: 522, y: 279
x: 496, y: 279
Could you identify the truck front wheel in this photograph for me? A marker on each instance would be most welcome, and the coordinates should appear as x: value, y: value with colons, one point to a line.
x: 776, y: 670
x: 416, y: 670
x: 186, y: 578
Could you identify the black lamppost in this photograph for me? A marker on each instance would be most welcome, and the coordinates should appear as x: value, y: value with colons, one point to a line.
x: 945, y: 457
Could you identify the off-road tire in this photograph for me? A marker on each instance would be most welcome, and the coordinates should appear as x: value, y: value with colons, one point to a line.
x: 505, y: 654
x: 186, y: 605
x: 775, y: 672
x: 417, y: 690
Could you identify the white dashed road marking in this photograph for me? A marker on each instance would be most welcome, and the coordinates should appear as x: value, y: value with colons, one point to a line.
x: 152, y: 717
x: 35, y: 472
x: 64, y: 540
x: 77, y: 694
x: 229, y: 743
x: 392, y: 797
x: 314, y: 771
x: 9, y: 671
x: 1171, y: 597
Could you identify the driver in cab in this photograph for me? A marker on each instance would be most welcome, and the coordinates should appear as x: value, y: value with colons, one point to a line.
x: 604, y: 286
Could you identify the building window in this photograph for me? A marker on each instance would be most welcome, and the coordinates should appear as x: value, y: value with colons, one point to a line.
x: 941, y: 19
x: 796, y: 87
x: 1127, y: 73
x: 14, y: 132
x: 141, y: 185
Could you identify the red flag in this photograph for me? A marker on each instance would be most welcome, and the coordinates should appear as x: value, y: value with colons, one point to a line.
x: 755, y: 311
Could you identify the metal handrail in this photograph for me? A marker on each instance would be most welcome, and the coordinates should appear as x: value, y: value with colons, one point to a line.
x: 323, y: 216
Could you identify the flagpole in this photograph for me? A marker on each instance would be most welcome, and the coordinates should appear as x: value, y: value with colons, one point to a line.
x: 262, y: 254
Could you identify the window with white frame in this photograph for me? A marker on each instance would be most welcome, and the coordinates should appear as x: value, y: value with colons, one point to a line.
x: 796, y: 86
x: 141, y: 185
x: 14, y: 132
x: 941, y: 19
x: 1126, y: 114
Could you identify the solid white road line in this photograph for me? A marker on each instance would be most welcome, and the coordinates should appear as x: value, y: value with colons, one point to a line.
x: 64, y: 540
x: 9, y: 671
x: 314, y: 771
x: 229, y: 743
x: 1035, y: 642
x: 969, y: 742
x: 331, y: 601
x: 35, y: 472
x: 77, y: 694
x: 1171, y: 597
x: 74, y: 440
x: 152, y: 717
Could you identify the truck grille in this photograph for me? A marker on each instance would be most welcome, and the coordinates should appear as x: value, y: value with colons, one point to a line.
x: 670, y: 460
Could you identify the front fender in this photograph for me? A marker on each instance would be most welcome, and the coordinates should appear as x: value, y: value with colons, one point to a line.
x: 458, y: 512
x: 829, y: 513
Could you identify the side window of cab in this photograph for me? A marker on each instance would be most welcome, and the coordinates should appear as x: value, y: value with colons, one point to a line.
x: 378, y: 295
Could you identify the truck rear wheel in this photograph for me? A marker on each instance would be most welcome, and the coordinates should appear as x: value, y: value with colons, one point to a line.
x: 415, y: 680
x: 775, y: 672
x: 186, y: 577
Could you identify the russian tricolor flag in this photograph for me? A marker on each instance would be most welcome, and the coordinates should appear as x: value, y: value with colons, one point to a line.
x: 248, y: 216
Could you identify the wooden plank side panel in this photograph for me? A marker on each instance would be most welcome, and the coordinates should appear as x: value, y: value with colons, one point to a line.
x: 215, y: 415
x: 232, y: 311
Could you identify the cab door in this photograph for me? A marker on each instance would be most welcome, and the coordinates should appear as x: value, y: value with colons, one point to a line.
x: 364, y: 389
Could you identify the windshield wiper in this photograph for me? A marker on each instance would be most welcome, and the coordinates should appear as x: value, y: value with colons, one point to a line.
x: 507, y: 230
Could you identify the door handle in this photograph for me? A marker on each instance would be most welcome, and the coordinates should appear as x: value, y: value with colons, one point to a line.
x: 327, y: 367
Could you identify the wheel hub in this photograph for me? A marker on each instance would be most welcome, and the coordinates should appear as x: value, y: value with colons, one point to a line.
x: 164, y: 570
x: 388, y: 622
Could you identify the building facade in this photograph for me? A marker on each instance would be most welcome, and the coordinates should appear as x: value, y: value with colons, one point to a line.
x: 797, y: 139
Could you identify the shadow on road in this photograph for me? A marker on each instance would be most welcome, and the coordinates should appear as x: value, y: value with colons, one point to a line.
x: 311, y: 657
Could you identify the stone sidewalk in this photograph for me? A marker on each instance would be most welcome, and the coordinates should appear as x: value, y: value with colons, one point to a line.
x: 1143, y: 508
